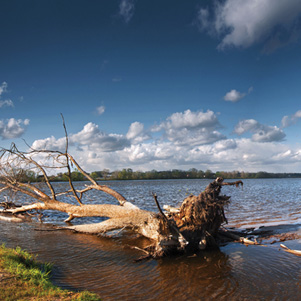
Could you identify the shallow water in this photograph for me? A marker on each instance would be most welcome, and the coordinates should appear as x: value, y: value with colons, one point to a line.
x: 236, y: 272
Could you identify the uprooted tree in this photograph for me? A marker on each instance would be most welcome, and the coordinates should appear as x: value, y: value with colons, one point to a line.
x: 193, y: 226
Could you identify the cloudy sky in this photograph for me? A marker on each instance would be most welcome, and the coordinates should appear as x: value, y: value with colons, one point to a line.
x: 152, y: 84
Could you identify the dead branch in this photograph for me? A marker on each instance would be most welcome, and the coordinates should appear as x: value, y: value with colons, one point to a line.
x: 159, y: 208
x: 68, y: 165
x: 235, y: 237
x: 286, y: 249
x: 237, y: 183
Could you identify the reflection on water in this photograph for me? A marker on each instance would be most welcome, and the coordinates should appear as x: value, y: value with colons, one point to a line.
x: 106, y: 265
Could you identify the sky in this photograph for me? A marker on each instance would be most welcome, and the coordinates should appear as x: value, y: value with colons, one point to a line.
x: 152, y: 84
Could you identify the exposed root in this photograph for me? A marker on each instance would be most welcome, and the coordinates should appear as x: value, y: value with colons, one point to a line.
x: 201, y: 216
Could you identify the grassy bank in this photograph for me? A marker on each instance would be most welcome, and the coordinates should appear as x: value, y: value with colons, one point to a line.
x: 23, y: 278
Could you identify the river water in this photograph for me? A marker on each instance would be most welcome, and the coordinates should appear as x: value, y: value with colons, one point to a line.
x: 235, y: 272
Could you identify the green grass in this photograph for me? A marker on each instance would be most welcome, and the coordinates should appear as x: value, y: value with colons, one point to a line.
x: 23, y: 278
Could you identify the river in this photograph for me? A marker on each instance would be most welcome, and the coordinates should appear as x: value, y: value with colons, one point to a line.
x: 235, y: 272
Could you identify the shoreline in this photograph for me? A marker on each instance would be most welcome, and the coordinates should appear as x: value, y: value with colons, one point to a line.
x: 23, y: 278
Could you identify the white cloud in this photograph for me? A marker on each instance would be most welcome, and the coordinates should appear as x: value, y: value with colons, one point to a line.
x: 191, y: 128
x: 225, y: 145
x: 261, y: 132
x: 6, y: 103
x: 50, y: 143
x: 244, y: 126
x: 92, y: 136
x: 3, y: 88
x: 243, y: 23
x: 89, y: 137
x: 136, y: 133
x: 255, y: 156
x: 234, y: 96
x: 12, y: 128
x: 100, y: 110
x: 184, y: 140
x: 190, y: 119
x: 290, y: 120
x: 126, y: 9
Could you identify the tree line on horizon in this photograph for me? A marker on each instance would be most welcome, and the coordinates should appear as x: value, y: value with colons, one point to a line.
x: 129, y: 174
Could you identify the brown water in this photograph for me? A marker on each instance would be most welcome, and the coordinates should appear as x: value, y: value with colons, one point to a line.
x: 236, y: 272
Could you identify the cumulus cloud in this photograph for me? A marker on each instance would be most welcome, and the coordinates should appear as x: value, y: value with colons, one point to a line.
x: 136, y: 133
x: 92, y: 136
x: 50, y: 143
x: 239, y: 154
x: 12, y: 128
x: 126, y: 9
x: 190, y: 119
x: 242, y: 23
x: 251, y: 155
x: 184, y: 140
x: 261, y: 132
x: 100, y: 110
x: 290, y: 120
x: 191, y: 128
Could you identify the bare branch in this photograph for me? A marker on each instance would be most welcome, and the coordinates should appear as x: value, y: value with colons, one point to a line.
x: 33, y: 192
x: 159, y: 208
x: 68, y: 165
x: 81, y: 170
x: 15, y: 154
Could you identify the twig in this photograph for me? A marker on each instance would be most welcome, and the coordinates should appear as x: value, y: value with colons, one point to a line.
x: 68, y: 165
x: 159, y: 208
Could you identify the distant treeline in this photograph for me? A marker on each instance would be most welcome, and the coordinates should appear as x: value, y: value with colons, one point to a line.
x: 129, y: 174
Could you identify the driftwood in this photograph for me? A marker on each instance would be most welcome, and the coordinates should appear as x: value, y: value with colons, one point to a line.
x: 193, y: 226
x: 239, y: 238
x: 286, y: 249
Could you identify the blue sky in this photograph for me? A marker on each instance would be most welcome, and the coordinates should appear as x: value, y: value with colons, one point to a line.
x: 150, y: 84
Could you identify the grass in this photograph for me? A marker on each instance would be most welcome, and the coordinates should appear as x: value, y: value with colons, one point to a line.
x: 23, y: 278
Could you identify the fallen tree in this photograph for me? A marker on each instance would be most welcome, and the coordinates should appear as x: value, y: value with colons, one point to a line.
x: 193, y: 226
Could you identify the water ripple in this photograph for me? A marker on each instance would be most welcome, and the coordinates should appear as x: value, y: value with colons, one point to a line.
x: 236, y: 272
